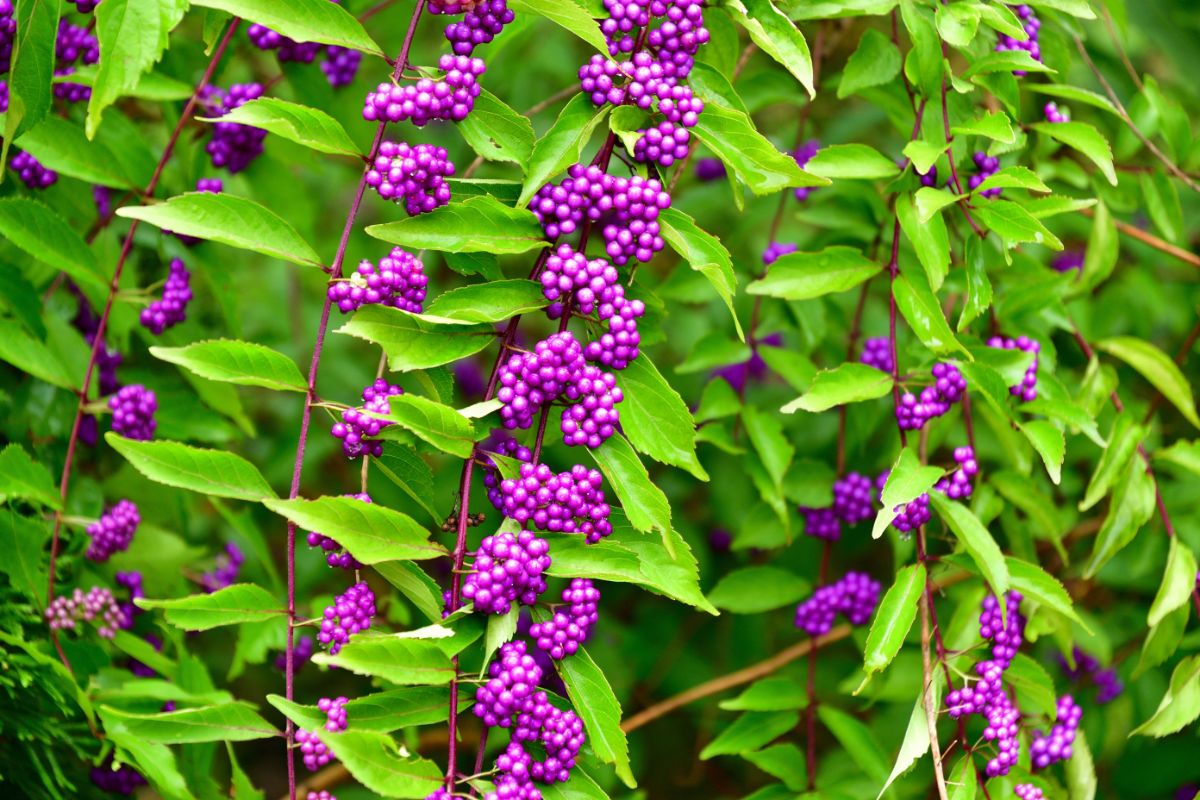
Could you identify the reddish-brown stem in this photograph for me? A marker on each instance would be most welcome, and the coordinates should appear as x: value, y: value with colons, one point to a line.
x: 64, y: 484
x: 950, y: 158
x: 310, y: 398
x: 1151, y: 240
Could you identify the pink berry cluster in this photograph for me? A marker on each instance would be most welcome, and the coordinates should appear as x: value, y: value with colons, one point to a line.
x: 340, y: 64
x: 877, y: 353
x: 73, y: 46
x: 133, y: 582
x: 398, y: 281
x: 123, y: 779
x: 133, y: 409
x: 321, y: 795
x: 358, y: 425
x: 233, y: 146
x: 351, y: 612
x: 1032, y: 26
x: 624, y: 209
x: 562, y: 634
x: 171, y: 308
x: 113, y: 532
x: 1027, y: 791
x: 508, y: 569
x: 97, y: 606
x: 415, y: 175
x: 335, y: 555
x: 225, y: 569
x: 804, y: 153
x: 567, y: 502
x: 854, y: 596
x: 987, y: 166
x: 31, y: 172
x: 1027, y: 389
x: 1047, y: 749
x: 935, y: 400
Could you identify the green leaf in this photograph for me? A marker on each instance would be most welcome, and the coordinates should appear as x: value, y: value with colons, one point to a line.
x: 1157, y: 368
x: 1005, y: 61
x: 957, y: 23
x: 1162, y: 204
x: 849, y: 383
x: 964, y: 781
x: 310, y: 127
x: 233, y: 605
x: 501, y: 628
x: 1035, y: 583
x: 760, y: 165
x: 133, y: 37
x: 1015, y: 177
x: 1162, y: 642
x: 562, y: 145
x: 23, y: 540
x: 438, y: 425
x: 754, y: 590
x: 399, y: 658
x: 979, y: 288
x: 32, y: 43
x: 211, y: 472
x: 403, y: 467
x: 488, y: 302
x: 852, y: 161
x: 874, y: 63
x: 907, y: 480
x: 1182, y: 454
x: 34, y: 357
x: 478, y: 224
x: 783, y: 761
x: 23, y: 478
x: 1123, y: 440
x: 803, y: 276
x: 1178, y: 583
x: 420, y: 589
x: 924, y: 63
x: 412, y: 341
x: 567, y: 14
x: 1050, y: 444
x: 1085, y: 139
x: 228, y: 219
x: 370, y: 532
x: 655, y: 418
x: 702, y: 252
x: 644, y: 503
x: 770, y: 442
x: 769, y: 694
x: 929, y: 238
x: 599, y: 709
x: 916, y: 738
x: 857, y: 740
x: 921, y: 310
x: 995, y: 125
x: 1075, y: 95
x: 1076, y: 8
x: 1103, y: 249
x: 1131, y: 506
x: 400, y: 708
x: 155, y: 761
x: 62, y: 146
x: 228, y: 722
x: 302, y: 20
x: 777, y: 36
x: 376, y: 762
x: 40, y: 232
x: 580, y: 786
x: 929, y: 202
x: 1014, y: 224
x: 976, y: 540
x: 496, y: 132
x: 894, y: 618
x: 1032, y: 683
x: 1081, y: 770
x: 749, y: 732
x: 231, y: 361
x: 1180, y: 705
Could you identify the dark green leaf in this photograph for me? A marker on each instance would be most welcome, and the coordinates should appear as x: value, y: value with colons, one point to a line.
x: 758, y: 163
x: 43, y: 234
x: 857, y: 740
x: 655, y: 418
x: 754, y: 590
x: 229, y: 722
x: 23, y: 478
x: 894, y: 618
x: 32, y: 46
x: 749, y: 732
x: 23, y: 540
x: 496, y: 132
x: 599, y: 709
x: 852, y: 161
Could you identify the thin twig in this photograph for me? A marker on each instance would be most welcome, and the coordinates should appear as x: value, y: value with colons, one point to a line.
x: 1150, y: 239
x: 1116, y: 40
x: 927, y: 673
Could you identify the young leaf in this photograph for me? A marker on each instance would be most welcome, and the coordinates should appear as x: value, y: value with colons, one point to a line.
x: 231, y: 361
x: 1157, y: 368
x: 758, y: 163
x: 1084, y: 138
x: 1178, y: 583
x: 1162, y: 642
x: 412, y: 341
x: 1181, y: 703
x: 1050, y: 444
x: 852, y: 161
x: 1081, y: 770
x: 849, y: 383
x: 302, y: 20
x: 907, y: 480
x: 567, y: 14
x: 496, y: 132
x: 702, y: 252
x: 894, y: 618
x: 644, y: 503
x: 778, y: 37
x: 655, y: 418
x: 875, y: 62
x: 23, y: 478
x: 597, y: 706
x: 478, y: 224
x: 438, y: 425
x: 370, y: 532
x: 40, y: 232
x: 228, y: 722
x: 976, y: 540
x: 979, y: 287
x: 916, y: 738
x: 562, y: 145
x: 754, y: 590
x: 749, y: 732
x: 228, y: 219
x: 957, y: 23
x: 233, y: 605
x: 995, y: 125
x: 1131, y: 506
x: 1123, y: 440
x: 488, y: 302
x: 802, y: 276
x: 211, y: 472
x: 310, y: 127
x: 1014, y: 224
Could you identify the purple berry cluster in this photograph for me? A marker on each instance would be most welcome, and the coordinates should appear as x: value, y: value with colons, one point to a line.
x: 853, y: 498
x: 775, y: 250
x: 85, y: 6
x: 1056, y: 746
x: 562, y: 634
x: 133, y: 410
x: 1027, y: 389
x: 929, y: 178
x: 351, y: 612
x: 312, y: 750
x: 1055, y: 114
x: 804, y: 153
x: 877, y: 353
x: 97, y: 606
x: 959, y: 484
x: 508, y: 569
x: 8, y: 32
x: 233, y: 146
x: 513, y: 677
x: 479, y: 26
x: 113, y: 532
x: 987, y: 166
x: 591, y: 417
x: 505, y: 446
x: 415, y: 175
x: 625, y: 209
x: 398, y: 281
x: 569, y: 275
x: 73, y: 46
x: 340, y: 65
x: 710, y: 169
x: 1068, y: 260
x: 1032, y: 26
x: 1107, y: 682
x: 935, y: 400
x: 821, y: 523
x: 912, y: 515
x: 450, y: 98
x: 358, y: 425
x: 569, y: 502
x: 171, y: 309
x: 108, y: 777
x: 854, y: 596
x: 1006, y: 631
x: 335, y: 555
x: 31, y: 172
x: 133, y: 582
x: 225, y: 569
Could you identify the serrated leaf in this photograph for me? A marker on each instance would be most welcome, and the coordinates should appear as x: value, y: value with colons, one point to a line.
x: 40, y: 232
x: 370, y: 532
x: 849, y: 383
x: 803, y: 276
x: 420, y: 589
x: 1131, y: 506
x: 568, y: 15
x: 1014, y: 177
x: 875, y: 62
x: 1014, y: 224
x: 907, y: 480
x: 228, y: 722
x: 754, y: 590
x: 894, y: 618
x: 1162, y: 642
x: 488, y: 302
x: 857, y: 741
x: 1180, y: 705
x: 31, y: 46
x: 976, y: 540
x: 233, y: 605
x: 770, y: 442
x: 63, y: 147
x: 412, y: 341
x: 1035, y: 583
x: 1182, y: 454
x: 1075, y: 95
x: 1081, y: 770
x: 228, y: 219
x: 852, y: 162
x: 929, y: 202
x: 1050, y: 444
x: 783, y: 761
x: 995, y: 125
x: 302, y: 20
x: 778, y: 37
x: 1156, y: 367
x: 231, y: 361
x: 916, y: 739
x: 655, y: 418
x: 379, y: 764
x: 597, y: 706
x: 760, y: 165
x: 1178, y: 583
x: 1085, y: 139
x: 23, y: 478
x: 35, y: 357
x: 1004, y: 61
x: 1032, y: 683
x: 562, y: 145
x: 957, y: 23
x: 643, y: 502
x: 211, y: 472
x: 436, y: 424
x: 704, y: 253
x: 400, y: 660
x: 478, y: 224
x: 496, y: 132
x: 310, y: 127
x: 749, y: 732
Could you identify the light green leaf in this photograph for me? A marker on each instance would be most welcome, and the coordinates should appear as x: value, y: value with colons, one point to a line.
x: 1014, y: 224
x: 412, y: 341
x: 302, y: 20
x: 874, y: 63
x: 31, y: 43
x: 957, y: 23
x: 783, y: 761
x: 907, y: 480
x: 231, y: 361
x: 803, y: 276
x: 1085, y: 139
x: 233, y: 605
x: 402, y: 659
x: 562, y: 145
x: 379, y: 764
x: 929, y: 239
x: 599, y: 709
x: 62, y: 146
x: 655, y: 418
x: 849, y: 383
x: 995, y: 125
x: 760, y: 165
x: 702, y: 252
x: 644, y: 503
x: 770, y: 442
x: 567, y: 14
x: 310, y: 127
x: 778, y: 37
x: 478, y: 224
x: 34, y: 357
x: 1075, y: 95
x: 749, y: 732
x: 769, y: 694
x: 1180, y: 705
x: 488, y: 302
x: 1157, y: 368
x: 497, y: 132
x: 1037, y: 584
x: 1081, y: 770
x: 1131, y: 506
x: 1123, y: 440
x: 369, y: 532
x: 211, y: 472
x: 894, y: 618
x: 754, y: 590
x: 40, y: 232
x: 420, y: 589
x: 1162, y: 642
x: 436, y: 424
x: 929, y: 202
x: 228, y: 722
x: 916, y: 738
x: 1182, y: 454
x: 1050, y: 444
x: 1034, y: 686
x: 1178, y: 583
x: 924, y: 315
x: 976, y: 540
x: 1015, y: 177
x: 23, y: 478
x: 852, y: 161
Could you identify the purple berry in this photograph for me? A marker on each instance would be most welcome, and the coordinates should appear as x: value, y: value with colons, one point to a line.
x: 113, y: 532
x: 31, y: 172
x: 225, y: 569
x: 351, y: 612
x: 415, y: 175
x: 562, y: 634
x: 398, y: 281
x: 133, y: 410
x: 877, y: 353
x: 854, y: 596
x: 171, y: 309
x: 335, y: 555
x: 1027, y: 389
x: 569, y: 502
x: 508, y: 569
x: 359, y: 425
x: 97, y: 606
